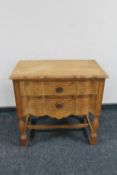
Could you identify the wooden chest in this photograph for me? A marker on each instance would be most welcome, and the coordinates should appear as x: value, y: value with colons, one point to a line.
x: 58, y: 89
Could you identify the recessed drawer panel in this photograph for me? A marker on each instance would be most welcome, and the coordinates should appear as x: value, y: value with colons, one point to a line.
x: 31, y: 88
x: 60, y: 88
x: 33, y: 106
x: 60, y: 108
x: 85, y: 104
x: 87, y: 87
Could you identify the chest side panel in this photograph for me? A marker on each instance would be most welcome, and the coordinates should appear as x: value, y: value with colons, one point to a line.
x: 90, y: 97
x: 98, y: 103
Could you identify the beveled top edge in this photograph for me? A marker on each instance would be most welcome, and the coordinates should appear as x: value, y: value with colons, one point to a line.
x: 15, y: 76
x: 105, y: 74
x: 58, y: 77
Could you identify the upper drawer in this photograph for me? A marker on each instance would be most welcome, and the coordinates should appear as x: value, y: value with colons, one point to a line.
x: 87, y: 87
x: 60, y: 87
x: 31, y: 88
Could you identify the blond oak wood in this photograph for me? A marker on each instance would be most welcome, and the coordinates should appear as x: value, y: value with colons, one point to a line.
x: 31, y: 88
x: 85, y: 104
x: 87, y: 87
x: 22, y: 123
x: 64, y: 126
x: 97, y: 111
x: 57, y: 69
x: 58, y: 89
x: 34, y: 106
x: 60, y: 107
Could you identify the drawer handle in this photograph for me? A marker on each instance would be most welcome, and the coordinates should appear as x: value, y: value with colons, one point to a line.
x: 59, y: 105
x: 59, y: 89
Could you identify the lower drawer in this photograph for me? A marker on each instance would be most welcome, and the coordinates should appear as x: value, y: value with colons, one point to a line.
x: 60, y: 107
x: 85, y: 104
x: 33, y: 106
x: 53, y: 107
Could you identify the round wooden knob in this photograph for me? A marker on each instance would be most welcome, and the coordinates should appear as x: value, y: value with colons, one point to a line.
x: 59, y: 105
x: 59, y: 89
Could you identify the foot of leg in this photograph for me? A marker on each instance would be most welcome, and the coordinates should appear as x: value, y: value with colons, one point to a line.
x: 95, y: 125
x: 23, y: 140
x: 22, y: 127
x: 93, y: 139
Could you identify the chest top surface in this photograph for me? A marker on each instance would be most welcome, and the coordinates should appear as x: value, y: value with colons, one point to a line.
x: 36, y: 69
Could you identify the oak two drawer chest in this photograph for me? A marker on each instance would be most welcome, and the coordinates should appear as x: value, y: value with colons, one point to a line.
x: 58, y: 89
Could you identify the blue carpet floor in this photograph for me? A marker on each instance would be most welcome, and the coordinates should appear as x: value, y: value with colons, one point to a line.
x: 65, y: 152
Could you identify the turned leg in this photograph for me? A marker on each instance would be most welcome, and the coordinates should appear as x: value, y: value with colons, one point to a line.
x: 95, y: 125
x: 22, y: 127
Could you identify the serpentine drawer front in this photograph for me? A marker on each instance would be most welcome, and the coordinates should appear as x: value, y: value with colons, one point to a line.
x: 58, y: 89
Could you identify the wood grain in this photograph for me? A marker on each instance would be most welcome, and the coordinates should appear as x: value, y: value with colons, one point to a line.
x: 64, y: 126
x: 37, y: 69
x: 58, y: 89
x: 67, y: 87
x: 31, y: 88
x: 67, y: 107
x: 87, y: 87
x: 22, y: 123
x: 85, y: 104
x: 32, y: 106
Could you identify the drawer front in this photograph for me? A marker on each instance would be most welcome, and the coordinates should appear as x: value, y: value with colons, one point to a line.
x: 60, y: 88
x: 60, y: 108
x: 87, y: 87
x: 32, y: 106
x: 31, y: 88
x: 85, y: 104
